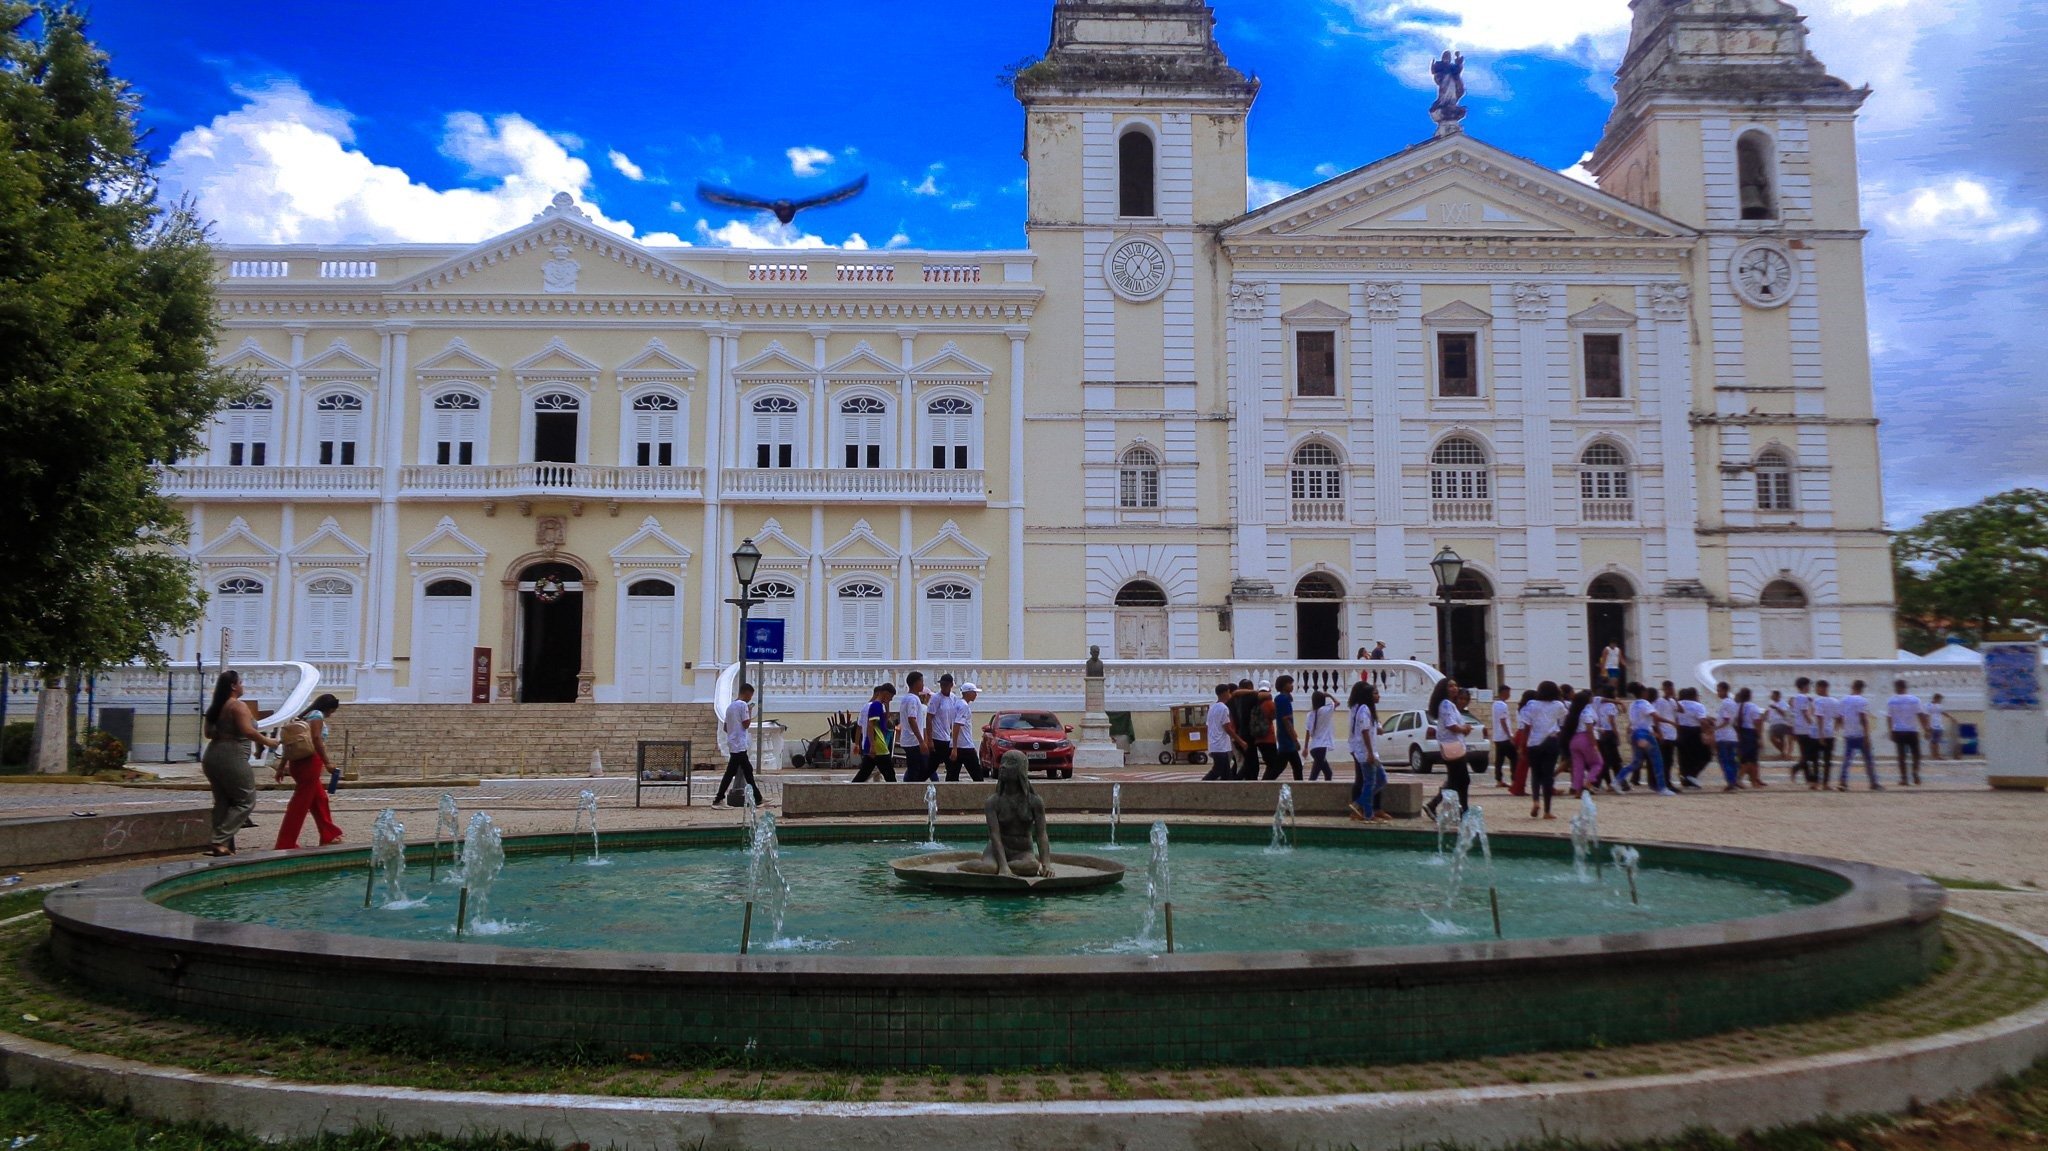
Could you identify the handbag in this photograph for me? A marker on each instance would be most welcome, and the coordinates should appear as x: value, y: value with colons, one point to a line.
x: 1454, y: 749
x: 297, y: 737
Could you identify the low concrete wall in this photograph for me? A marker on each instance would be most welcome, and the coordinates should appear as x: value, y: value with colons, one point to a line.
x: 820, y: 800
x: 63, y: 839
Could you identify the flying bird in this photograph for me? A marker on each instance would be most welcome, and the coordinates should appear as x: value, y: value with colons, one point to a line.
x: 784, y: 210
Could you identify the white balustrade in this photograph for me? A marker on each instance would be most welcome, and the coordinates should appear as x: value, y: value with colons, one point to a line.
x: 1607, y: 511
x: 281, y: 688
x: 779, y: 273
x: 1462, y: 511
x: 1961, y: 684
x: 866, y: 273
x: 1319, y: 511
x: 229, y: 483
x: 952, y: 273
x: 502, y: 480
x: 259, y: 269
x: 855, y: 485
x: 347, y: 269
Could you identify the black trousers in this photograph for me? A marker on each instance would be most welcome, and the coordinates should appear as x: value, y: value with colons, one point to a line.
x: 739, y: 765
x: 873, y: 764
x: 1269, y: 754
x: 1280, y: 761
x: 916, y: 768
x: 1220, y: 767
x: 969, y: 758
x: 1906, y: 743
x: 1609, y: 743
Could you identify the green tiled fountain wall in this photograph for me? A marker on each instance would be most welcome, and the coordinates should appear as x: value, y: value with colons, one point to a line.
x: 912, y: 1018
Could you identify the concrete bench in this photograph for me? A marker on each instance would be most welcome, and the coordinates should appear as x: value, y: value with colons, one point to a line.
x: 826, y: 800
x: 68, y: 838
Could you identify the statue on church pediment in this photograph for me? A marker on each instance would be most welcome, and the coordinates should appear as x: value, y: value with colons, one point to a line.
x: 1449, y: 73
x: 559, y: 274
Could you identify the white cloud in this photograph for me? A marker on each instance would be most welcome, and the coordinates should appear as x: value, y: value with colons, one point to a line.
x: 765, y: 232
x: 1957, y: 210
x: 1580, y: 29
x: 929, y: 186
x: 1260, y: 192
x: 626, y: 167
x: 1328, y: 171
x: 1578, y: 171
x: 808, y: 161
x: 283, y: 169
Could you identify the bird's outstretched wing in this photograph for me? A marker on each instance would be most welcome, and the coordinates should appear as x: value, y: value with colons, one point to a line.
x: 726, y: 198
x: 835, y: 196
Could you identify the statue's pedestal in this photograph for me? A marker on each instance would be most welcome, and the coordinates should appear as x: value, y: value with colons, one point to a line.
x: 1094, y: 750
x: 942, y: 869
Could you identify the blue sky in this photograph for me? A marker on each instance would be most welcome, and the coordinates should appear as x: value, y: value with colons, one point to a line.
x: 380, y: 121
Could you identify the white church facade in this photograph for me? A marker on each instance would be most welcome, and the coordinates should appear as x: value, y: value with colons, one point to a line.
x: 1169, y: 427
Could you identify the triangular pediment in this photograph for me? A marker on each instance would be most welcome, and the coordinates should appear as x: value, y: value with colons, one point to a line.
x: 1603, y: 315
x: 775, y: 361
x: 656, y: 362
x: 338, y: 362
x: 1458, y: 312
x: 236, y: 542
x: 1454, y: 186
x: 862, y: 362
x: 1317, y: 312
x: 455, y: 360
x: 778, y: 551
x: 516, y: 262
x: 556, y: 362
x: 651, y: 547
x: 329, y: 544
x: 950, y: 549
x: 951, y: 363
x: 860, y: 547
x: 447, y: 545
x: 249, y: 355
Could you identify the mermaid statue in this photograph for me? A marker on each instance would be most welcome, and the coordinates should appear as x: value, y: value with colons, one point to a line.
x: 1016, y: 824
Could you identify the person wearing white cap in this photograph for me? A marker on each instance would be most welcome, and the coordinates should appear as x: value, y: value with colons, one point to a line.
x: 960, y: 727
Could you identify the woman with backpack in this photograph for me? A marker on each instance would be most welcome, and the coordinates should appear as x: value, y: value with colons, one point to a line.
x: 305, y: 757
x: 231, y: 739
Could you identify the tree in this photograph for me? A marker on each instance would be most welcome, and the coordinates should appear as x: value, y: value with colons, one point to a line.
x: 106, y: 330
x: 1974, y: 570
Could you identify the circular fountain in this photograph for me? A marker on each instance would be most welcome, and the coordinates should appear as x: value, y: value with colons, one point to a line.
x: 640, y: 950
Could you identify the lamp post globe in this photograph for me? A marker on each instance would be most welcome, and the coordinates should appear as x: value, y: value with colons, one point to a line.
x: 1449, y: 567
x: 746, y: 560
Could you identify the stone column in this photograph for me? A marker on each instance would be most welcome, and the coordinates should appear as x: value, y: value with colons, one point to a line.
x: 53, y: 743
x: 1253, y: 631
x: 1686, y: 625
x: 1390, y: 511
x: 1015, y: 495
x: 1095, y: 749
x: 705, y: 674
x: 294, y: 419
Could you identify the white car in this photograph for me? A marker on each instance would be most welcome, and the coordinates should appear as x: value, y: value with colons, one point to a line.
x: 1408, y: 736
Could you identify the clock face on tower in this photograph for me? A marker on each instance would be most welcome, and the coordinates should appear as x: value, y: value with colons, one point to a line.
x: 1764, y: 274
x: 1138, y: 268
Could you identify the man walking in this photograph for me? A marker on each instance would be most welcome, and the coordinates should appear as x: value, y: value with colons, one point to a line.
x: 917, y: 736
x: 1856, y: 737
x: 1289, y: 741
x: 1500, y: 731
x: 1801, y: 704
x: 1222, y: 736
x: 1265, y: 736
x: 1243, y: 702
x: 877, y: 747
x: 962, y: 750
x: 1908, y: 719
x: 739, y: 718
x: 1827, y: 722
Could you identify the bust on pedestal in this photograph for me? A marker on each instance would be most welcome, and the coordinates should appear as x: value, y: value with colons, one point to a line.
x: 1095, y: 749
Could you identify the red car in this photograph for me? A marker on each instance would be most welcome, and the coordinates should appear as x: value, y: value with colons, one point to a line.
x: 1038, y: 734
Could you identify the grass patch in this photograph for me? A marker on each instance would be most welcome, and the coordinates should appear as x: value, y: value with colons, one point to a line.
x: 17, y: 902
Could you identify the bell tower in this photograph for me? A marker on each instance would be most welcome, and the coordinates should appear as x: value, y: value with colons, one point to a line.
x: 1135, y: 140
x: 1724, y: 121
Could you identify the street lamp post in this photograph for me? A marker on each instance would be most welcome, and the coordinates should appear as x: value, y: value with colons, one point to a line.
x: 746, y: 561
x: 1448, y: 566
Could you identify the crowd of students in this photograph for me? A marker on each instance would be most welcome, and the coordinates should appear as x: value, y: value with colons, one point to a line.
x: 1615, y: 737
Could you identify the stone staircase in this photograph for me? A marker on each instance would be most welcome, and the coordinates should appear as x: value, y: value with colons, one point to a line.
x: 376, y: 741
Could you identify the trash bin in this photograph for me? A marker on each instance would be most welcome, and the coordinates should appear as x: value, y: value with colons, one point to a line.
x: 118, y: 722
x: 1966, y: 739
x: 769, y: 735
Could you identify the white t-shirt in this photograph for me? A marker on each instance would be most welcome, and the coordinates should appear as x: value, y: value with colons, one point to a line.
x: 1611, y: 658
x: 1724, y: 724
x: 1933, y: 712
x: 914, y: 711
x: 1854, y: 708
x: 1751, y: 715
x: 1641, y: 713
x: 1502, y: 729
x: 1803, y: 715
x: 1906, y: 710
x: 1219, y: 720
x: 1322, y: 727
x: 1607, y: 712
x: 939, y: 714
x: 1448, y: 719
x: 1543, y: 719
x: 1827, y: 716
x: 1667, y: 716
x: 739, y: 714
x: 1691, y: 712
x: 1778, y: 712
x: 960, y: 724
x: 1362, y: 734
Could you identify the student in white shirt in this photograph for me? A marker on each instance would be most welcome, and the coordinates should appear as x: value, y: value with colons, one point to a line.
x: 1500, y: 730
x: 1749, y: 737
x: 917, y: 736
x: 1827, y: 724
x: 1778, y: 724
x: 1937, y: 726
x: 1642, y: 724
x: 1372, y: 778
x: 1804, y: 722
x: 1222, y: 736
x: 1727, y: 750
x: 1321, y: 736
x: 960, y: 725
x: 1544, y: 716
x: 1908, y: 719
x: 1856, y: 728
x: 739, y: 717
x: 1667, y: 732
x: 1693, y: 752
x: 1612, y: 663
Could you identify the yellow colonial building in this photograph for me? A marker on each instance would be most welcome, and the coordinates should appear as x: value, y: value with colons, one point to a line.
x: 1172, y: 428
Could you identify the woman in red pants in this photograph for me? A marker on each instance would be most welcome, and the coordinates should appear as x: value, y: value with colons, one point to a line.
x: 309, y: 793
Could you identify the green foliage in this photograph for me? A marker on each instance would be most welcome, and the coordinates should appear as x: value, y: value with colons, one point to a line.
x: 17, y: 743
x: 1970, y: 571
x: 97, y: 751
x: 106, y: 330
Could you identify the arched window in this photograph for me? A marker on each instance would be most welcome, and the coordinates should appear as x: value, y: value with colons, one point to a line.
x: 1610, y: 587
x: 1140, y: 593
x: 1316, y: 481
x: 1460, y: 482
x: 1604, y: 492
x: 1773, y: 482
x: 245, y: 429
x: 1137, y: 480
x: 458, y: 426
x: 449, y: 589
x: 337, y: 428
x: 651, y: 589
x: 1754, y: 177
x: 775, y: 432
x: 657, y: 430
x: 1318, y: 585
x: 330, y: 624
x: 241, y: 610
x: 1782, y: 595
x: 863, y: 427
x: 1784, y: 626
x: 862, y: 623
x: 950, y: 428
x: 952, y: 622
x: 555, y: 433
x: 1135, y: 174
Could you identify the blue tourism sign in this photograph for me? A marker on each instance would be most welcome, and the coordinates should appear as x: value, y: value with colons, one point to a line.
x: 2012, y: 676
x: 764, y: 641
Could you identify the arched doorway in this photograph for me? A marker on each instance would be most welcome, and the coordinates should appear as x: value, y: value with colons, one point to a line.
x: 1607, y: 621
x: 1785, y: 625
x: 1319, y: 617
x: 550, y: 632
x: 1469, y: 624
x: 1140, y: 621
